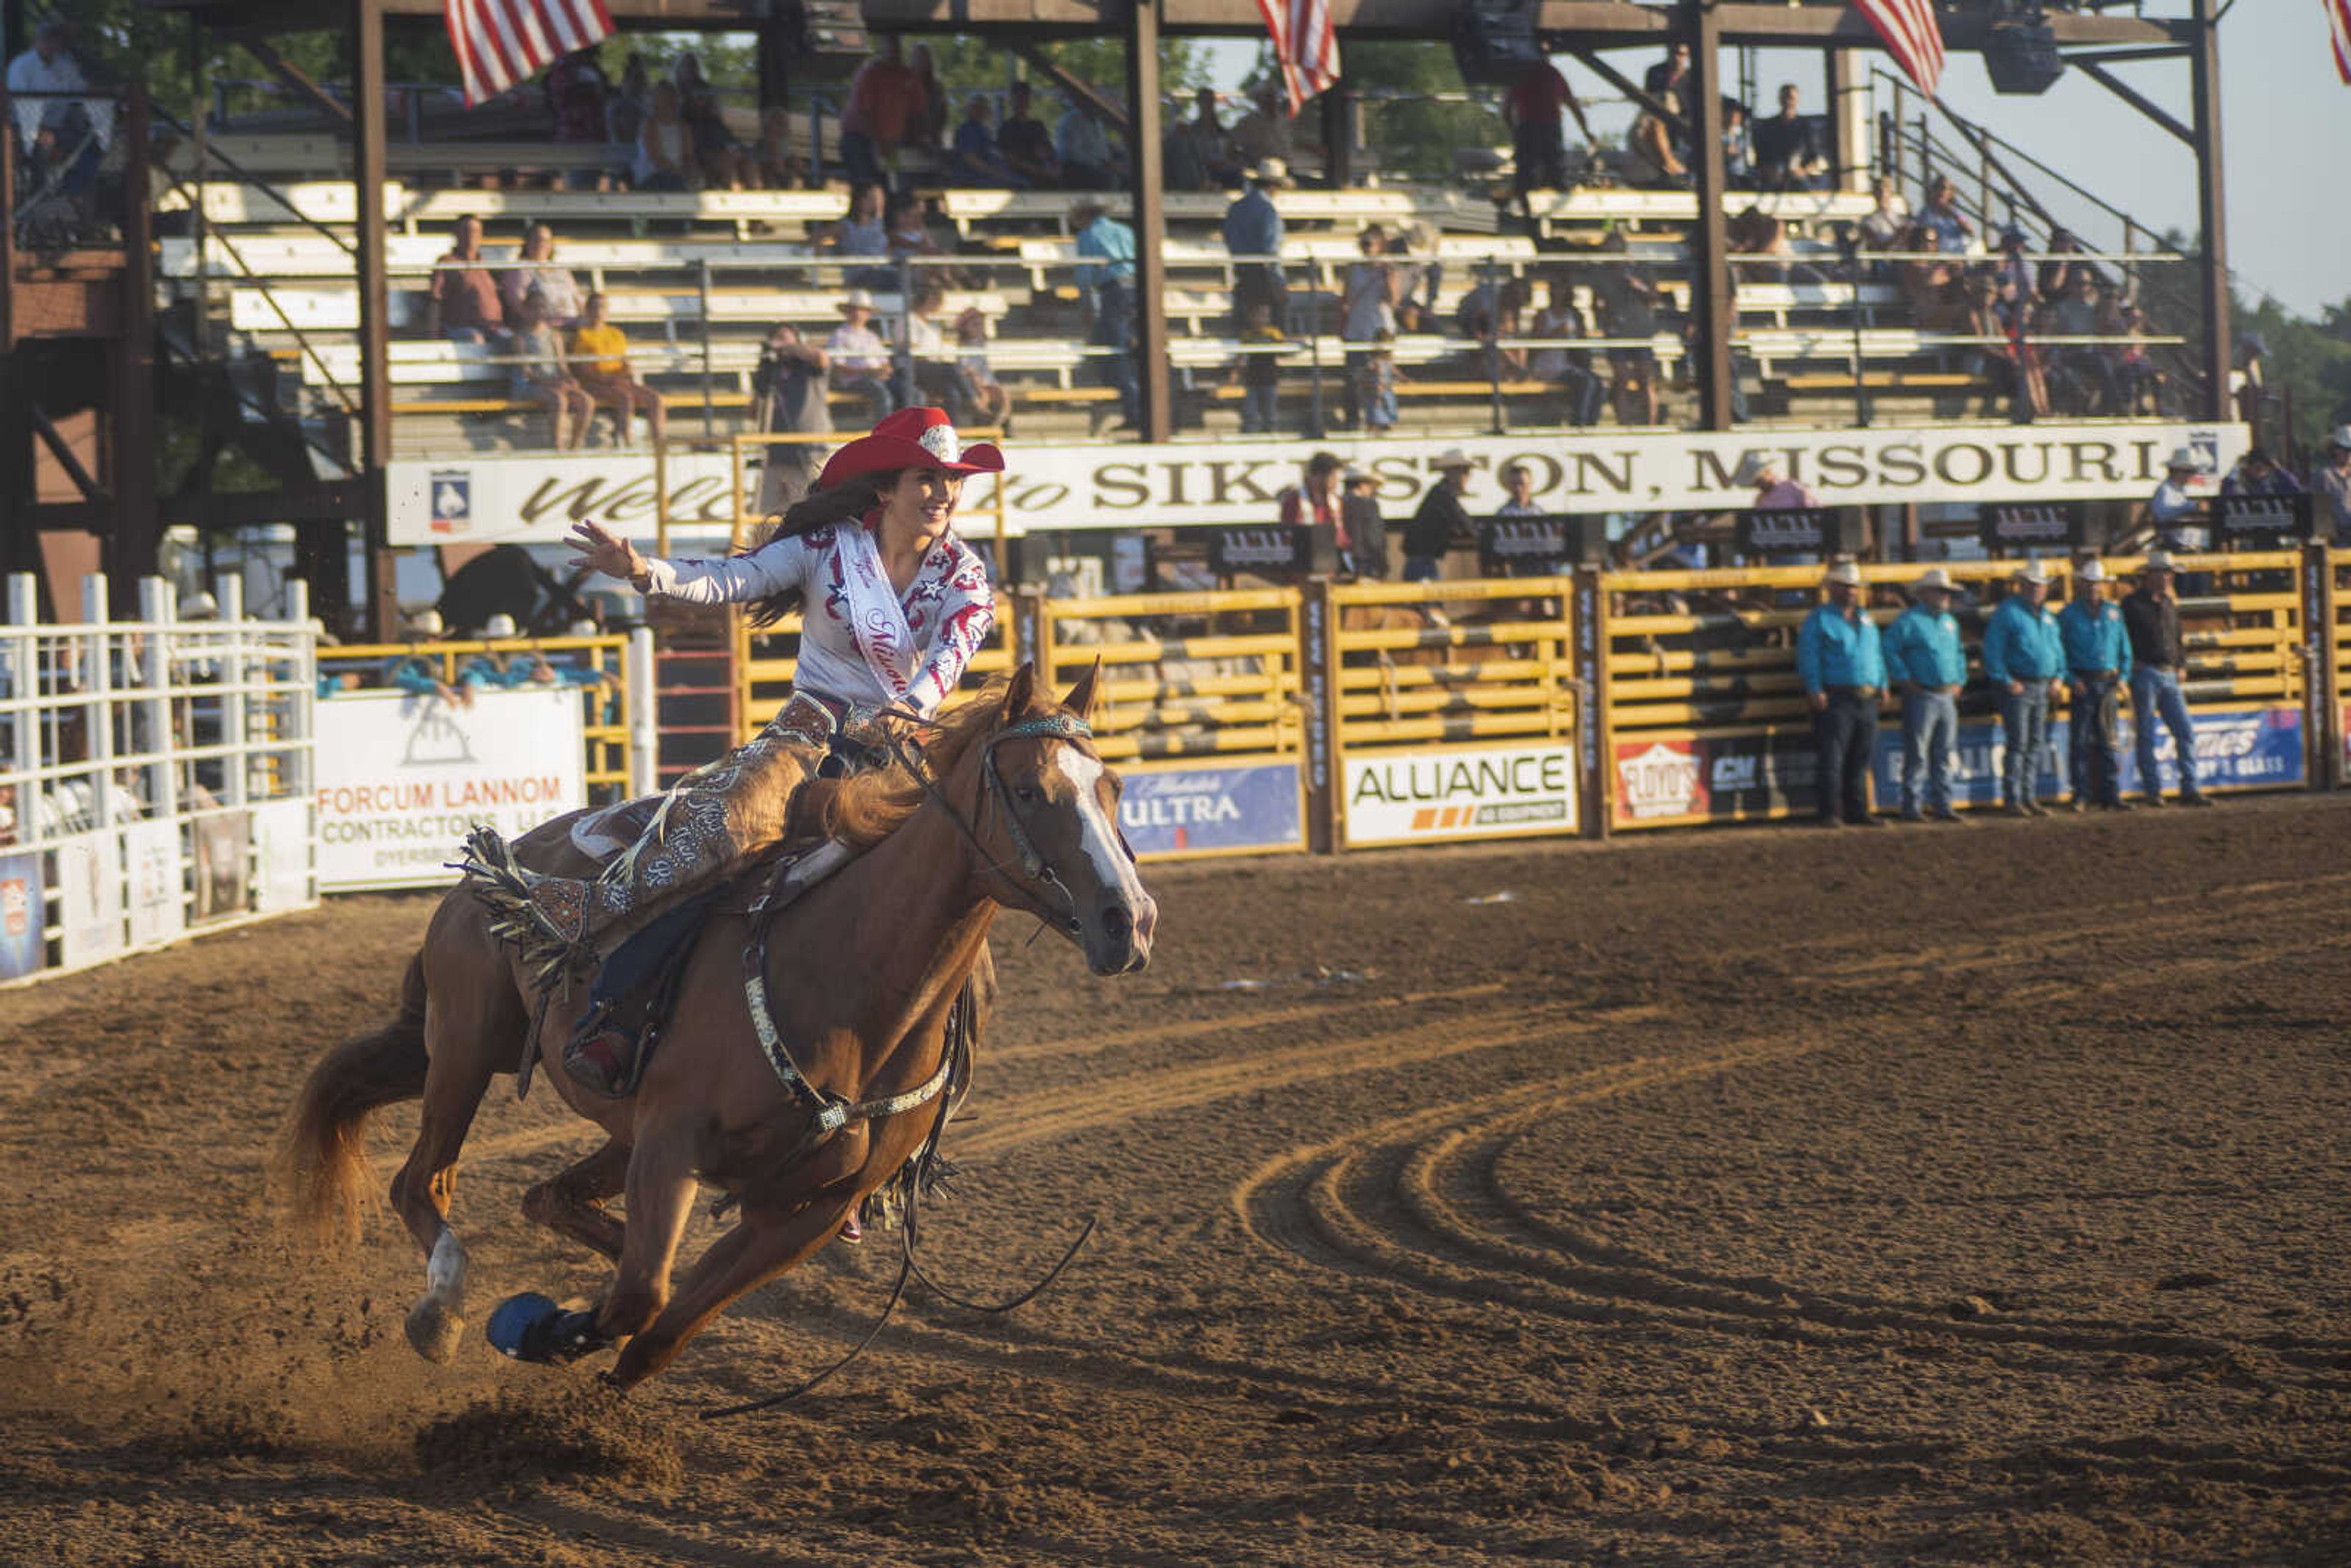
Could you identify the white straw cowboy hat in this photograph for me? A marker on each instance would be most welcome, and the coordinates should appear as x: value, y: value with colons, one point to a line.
x: 1270, y: 171
x: 2341, y: 437
x: 1933, y: 576
x: 1454, y: 458
x: 2158, y: 560
x: 2092, y: 572
x: 1845, y: 572
x: 858, y: 299
x: 2184, y: 457
x: 2032, y: 571
x: 499, y: 626
x: 425, y: 624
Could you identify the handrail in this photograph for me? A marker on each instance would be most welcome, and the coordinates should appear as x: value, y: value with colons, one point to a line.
x: 246, y: 177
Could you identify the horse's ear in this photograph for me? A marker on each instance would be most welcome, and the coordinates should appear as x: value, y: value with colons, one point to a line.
x: 1021, y: 691
x: 1081, y: 700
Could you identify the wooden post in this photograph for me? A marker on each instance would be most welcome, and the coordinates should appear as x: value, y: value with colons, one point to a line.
x: 138, y: 533
x: 2212, y: 210
x: 375, y: 289
x: 1596, y: 765
x: 1143, y: 141
x: 1710, y: 298
x: 1318, y: 678
x: 1339, y: 135
x: 2321, y: 690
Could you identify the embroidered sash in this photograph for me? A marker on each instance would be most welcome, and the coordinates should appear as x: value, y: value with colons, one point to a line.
x: 877, y: 622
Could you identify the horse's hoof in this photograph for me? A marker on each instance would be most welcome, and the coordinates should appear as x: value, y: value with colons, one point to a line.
x: 529, y: 1327
x: 435, y: 1330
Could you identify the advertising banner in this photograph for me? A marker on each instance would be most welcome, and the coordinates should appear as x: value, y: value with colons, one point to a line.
x: 21, y: 913
x: 1210, y: 807
x: 402, y: 780
x: 281, y: 845
x: 1492, y: 792
x: 90, y: 898
x: 2236, y: 749
x: 2261, y: 522
x: 2014, y: 526
x: 223, y: 864
x: 1235, y: 484
x: 157, y: 911
x: 1667, y: 781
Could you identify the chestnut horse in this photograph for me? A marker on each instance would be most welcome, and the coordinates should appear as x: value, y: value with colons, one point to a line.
x: 1012, y: 809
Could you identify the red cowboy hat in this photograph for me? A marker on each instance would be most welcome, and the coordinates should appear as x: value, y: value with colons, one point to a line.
x: 911, y: 438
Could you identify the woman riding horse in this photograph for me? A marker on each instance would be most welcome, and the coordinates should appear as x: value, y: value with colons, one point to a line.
x: 896, y: 605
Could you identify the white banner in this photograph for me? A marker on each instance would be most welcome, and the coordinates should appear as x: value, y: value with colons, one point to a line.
x: 535, y: 499
x: 89, y: 890
x: 151, y: 852
x: 402, y: 780
x: 281, y: 844
x: 1490, y: 792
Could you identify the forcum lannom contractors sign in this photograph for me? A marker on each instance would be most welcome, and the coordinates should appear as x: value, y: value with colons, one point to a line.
x: 1236, y: 483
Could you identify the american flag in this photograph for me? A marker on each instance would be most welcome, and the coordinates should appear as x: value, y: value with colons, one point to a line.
x: 502, y: 42
x: 1305, y: 43
x: 1913, y: 36
x: 2338, y: 19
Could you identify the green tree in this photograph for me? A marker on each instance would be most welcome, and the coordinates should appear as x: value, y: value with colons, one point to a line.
x: 1416, y: 132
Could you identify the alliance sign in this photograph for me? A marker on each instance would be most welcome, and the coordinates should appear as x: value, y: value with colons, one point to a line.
x: 1236, y: 484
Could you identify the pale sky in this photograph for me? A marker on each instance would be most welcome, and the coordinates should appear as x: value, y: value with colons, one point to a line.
x: 2285, y: 136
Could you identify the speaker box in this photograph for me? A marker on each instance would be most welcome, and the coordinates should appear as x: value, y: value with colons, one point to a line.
x: 2021, y: 55
x: 1494, y: 41
x: 833, y: 27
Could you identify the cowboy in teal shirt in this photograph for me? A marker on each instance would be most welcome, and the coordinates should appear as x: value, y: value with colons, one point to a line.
x: 1840, y: 660
x: 2024, y: 655
x: 2097, y: 662
x: 1928, y: 667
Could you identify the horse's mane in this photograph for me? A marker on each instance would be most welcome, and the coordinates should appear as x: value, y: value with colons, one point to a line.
x: 869, y: 807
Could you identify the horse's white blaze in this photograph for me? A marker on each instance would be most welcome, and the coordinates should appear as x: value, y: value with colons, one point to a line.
x: 445, y: 1271
x: 1096, y: 832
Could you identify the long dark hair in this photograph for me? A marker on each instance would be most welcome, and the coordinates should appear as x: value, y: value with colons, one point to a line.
x: 848, y: 501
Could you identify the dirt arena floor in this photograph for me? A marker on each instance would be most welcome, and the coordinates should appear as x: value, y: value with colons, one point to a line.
x: 1757, y: 1196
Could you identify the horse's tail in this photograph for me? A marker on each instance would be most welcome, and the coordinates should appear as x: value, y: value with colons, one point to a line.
x: 323, y: 1162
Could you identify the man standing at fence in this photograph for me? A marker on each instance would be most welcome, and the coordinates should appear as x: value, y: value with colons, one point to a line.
x: 2025, y: 658
x: 1253, y: 227
x: 2330, y: 483
x: 1842, y: 663
x: 1925, y: 662
x: 2097, y: 662
x: 1439, y: 520
x: 1106, y: 272
x: 2151, y: 617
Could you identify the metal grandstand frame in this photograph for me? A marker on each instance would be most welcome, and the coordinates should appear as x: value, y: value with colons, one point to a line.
x: 1584, y: 27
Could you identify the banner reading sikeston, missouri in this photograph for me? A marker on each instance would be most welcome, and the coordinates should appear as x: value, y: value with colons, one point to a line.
x: 536, y: 500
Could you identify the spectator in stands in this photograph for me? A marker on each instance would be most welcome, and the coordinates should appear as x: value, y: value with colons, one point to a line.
x: 929, y: 128
x: 1841, y: 660
x: 1531, y: 109
x: 1737, y: 146
x: 886, y: 104
x: 1925, y: 666
x: 559, y: 291
x: 1375, y: 383
x: 975, y: 159
x: 1883, y: 228
x: 1774, y: 491
x: 542, y: 375
x: 929, y: 369
x: 2257, y: 474
x: 790, y: 387
x: 1518, y: 493
x: 1026, y: 146
x: 462, y: 301
x: 2140, y: 385
x: 2247, y: 378
x: 1106, y: 272
x: 1670, y: 74
x: 600, y: 362
x: 1651, y: 161
x: 906, y: 234
x: 1367, y: 306
x: 1788, y: 155
x: 1083, y: 147
x: 1439, y: 520
x: 2025, y: 658
x: 983, y: 397
x: 2330, y: 482
x: 778, y: 167
x: 1201, y: 149
x: 2085, y: 375
x: 51, y: 128
x: 2097, y: 662
x: 625, y: 110
x: 576, y: 95
x: 1258, y: 371
x: 716, y: 151
x: 1627, y: 303
x: 2158, y: 658
x: 664, y: 145
x: 859, y: 360
x: 1264, y: 131
x: 1756, y: 233
x: 863, y: 231
x: 1314, y: 502
x: 1360, y: 520
x: 1424, y: 273
x: 2177, y: 514
x: 1568, y: 369
x: 2014, y: 272
x: 1499, y: 329
x: 2001, y: 309
x: 2057, y: 274
x: 1253, y: 228
x: 1942, y: 219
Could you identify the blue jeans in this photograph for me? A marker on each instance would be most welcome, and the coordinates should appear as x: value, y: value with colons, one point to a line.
x: 1931, y: 728
x: 1844, y: 734
x: 2024, y: 728
x: 858, y: 159
x: 2154, y: 692
x: 1114, y: 328
x: 1259, y: 406
x: 1584, y: 392
x: 2097, y: 754
x: 1420, y: 568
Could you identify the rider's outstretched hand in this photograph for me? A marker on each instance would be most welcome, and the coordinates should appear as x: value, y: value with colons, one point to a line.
x: 603, y: 551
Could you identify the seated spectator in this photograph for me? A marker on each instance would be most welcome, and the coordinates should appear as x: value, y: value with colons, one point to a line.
x: 2012, y: 368
x: 2057, y: 273
x: 788, y: 390
x: 906, y: 235
x: 52, y: 129
x: 863, y: 231
x: 1568, y: 369
x: 1257, y: 371
x: 1423, y: 274
x: 462, y: 301
x: 887, y: 103
x: 1203, y: 147
x: 1942, y: 219
x: 930, y: 371
x: 778, y: 167
x: 1670, y: 74
x: 724, y: 164
x: 1025, y: 145
x: 543, y: 375
x: 1756, y: 233
x: 975, y: 159
x: 600, y: 362
x: 859, y: 360
x: 558, y: 292
x: 1788, y: 155
x: 2138, y: 380
x: 2257, y: 475
x: 2084, y: 371
x: 665, y: 146
x: 625, y: 109
x: 1375, y: 383
x: 1083, y: 148
x: 1628, y: 304
x: 1737, y: 146
x: 576, y: 95
x: 1367, y: 306
x: 1923, y: 282
x: 983, y: 396
x: 1883, y: 229
x: 1264, y: 131
x: 1650, y: 161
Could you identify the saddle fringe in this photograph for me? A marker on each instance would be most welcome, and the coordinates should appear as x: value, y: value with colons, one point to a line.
x: 490, y: 872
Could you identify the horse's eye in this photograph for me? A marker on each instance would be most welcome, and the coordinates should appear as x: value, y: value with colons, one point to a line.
x: 1026, y: 794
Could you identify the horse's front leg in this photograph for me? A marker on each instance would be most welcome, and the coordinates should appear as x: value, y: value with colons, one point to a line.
x: 661, y: 1188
